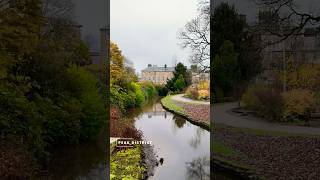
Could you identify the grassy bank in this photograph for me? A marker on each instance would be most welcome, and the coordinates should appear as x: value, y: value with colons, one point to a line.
x: 229, y: 160
x: 195, y: 113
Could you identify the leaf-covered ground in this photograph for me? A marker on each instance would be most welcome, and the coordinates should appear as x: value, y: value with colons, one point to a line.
x: 273, y: 157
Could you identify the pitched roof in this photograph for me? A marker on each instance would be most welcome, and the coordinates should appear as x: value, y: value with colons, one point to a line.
x: 158, y: 69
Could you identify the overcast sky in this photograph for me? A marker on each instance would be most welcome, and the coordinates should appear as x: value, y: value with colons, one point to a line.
x: 146, y: 30
x: 92, y: 15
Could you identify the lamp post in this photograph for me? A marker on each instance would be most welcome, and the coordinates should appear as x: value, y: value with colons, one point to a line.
x: 283, y: 61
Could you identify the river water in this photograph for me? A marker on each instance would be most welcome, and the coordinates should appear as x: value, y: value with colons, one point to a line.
x: 79, y: 162
x: 184, y: 147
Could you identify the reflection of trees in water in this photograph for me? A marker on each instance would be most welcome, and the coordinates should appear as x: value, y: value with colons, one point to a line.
x: 199, y: 168
x: 85, y: 161
x: 196, y: 139
x: 179, y: 121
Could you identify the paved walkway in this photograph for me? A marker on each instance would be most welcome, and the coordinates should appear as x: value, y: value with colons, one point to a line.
x: 180, y: 98
x: 221, y: 114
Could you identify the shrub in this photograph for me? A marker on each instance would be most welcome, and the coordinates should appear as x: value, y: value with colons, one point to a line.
x: 298, y: 103
x: 249, y: 98
x: 271, y: 103
x: 180, y: 84
x: 204, y: 94
x: 204, y: 90
x: 192, y: 93
x: 117, y: 97
x: 148, y: 89
x: 266, y: 101
x: 162, y: 90
x: 139, y: 95
x: 305, y: 77
x: 92, y: 103
x: 204, y: 85
x: 126, y: 164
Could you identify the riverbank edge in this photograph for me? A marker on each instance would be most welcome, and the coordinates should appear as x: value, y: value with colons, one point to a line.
x: 234, y: 169
x: 179, y: 113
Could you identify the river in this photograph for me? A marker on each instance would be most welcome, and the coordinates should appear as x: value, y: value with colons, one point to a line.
x: 184, y: 147
x: 86, y: 161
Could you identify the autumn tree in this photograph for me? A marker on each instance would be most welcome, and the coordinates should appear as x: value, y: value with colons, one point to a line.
x: 180, y: 69
x: 116, y: 63
x: 46, y: 97
x: 20, y: 27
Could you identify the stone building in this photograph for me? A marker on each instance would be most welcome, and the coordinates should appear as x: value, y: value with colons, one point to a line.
x: 295, y: 50
x: 157, y: 75
x: 198, y: 75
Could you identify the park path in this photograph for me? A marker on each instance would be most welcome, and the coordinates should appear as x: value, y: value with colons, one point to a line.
x: 222, y: 114
x: 180, y: 98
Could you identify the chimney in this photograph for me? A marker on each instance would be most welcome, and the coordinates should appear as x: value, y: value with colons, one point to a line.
x: 104, y: 48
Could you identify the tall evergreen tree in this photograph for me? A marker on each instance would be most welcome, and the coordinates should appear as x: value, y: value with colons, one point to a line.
x: 180, y: 69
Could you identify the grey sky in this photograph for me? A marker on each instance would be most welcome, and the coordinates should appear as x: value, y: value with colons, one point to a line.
x: 92, y: 15
x: 146, y: 30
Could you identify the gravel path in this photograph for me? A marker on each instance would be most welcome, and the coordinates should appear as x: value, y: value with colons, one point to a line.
x: 180, y: 97
x: 221, y: 114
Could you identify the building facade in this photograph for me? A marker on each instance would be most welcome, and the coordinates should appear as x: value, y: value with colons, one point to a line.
x: 157, y: 75
x: 198, y: 77
x: 295, y: 50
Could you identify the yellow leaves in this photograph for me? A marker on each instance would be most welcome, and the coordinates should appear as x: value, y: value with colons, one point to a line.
x: 306, y: 77
x: 298, y: 102
x: 204, y: 85
x: 116, y: 63
x: 203, y: 94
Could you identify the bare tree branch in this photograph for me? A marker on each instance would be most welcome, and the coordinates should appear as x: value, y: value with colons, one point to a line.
x: 296, y: 21
x: 196, y: 36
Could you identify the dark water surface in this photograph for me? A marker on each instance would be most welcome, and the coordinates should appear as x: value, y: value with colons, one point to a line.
x: 184, y: 147
x: 79, y: 162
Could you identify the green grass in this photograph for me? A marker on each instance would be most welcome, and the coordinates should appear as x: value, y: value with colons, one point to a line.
x: 221, y: 149
x: 127, y: 164
x: 222, y: 153
x: 168, y: 103
x: 260, y: 132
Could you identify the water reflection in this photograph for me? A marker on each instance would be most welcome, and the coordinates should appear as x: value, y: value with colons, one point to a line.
x: 85, y: 161
x: 196, y: 140
x: 199, y: 169
x: 175, y: 140
x: 179, y: 121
